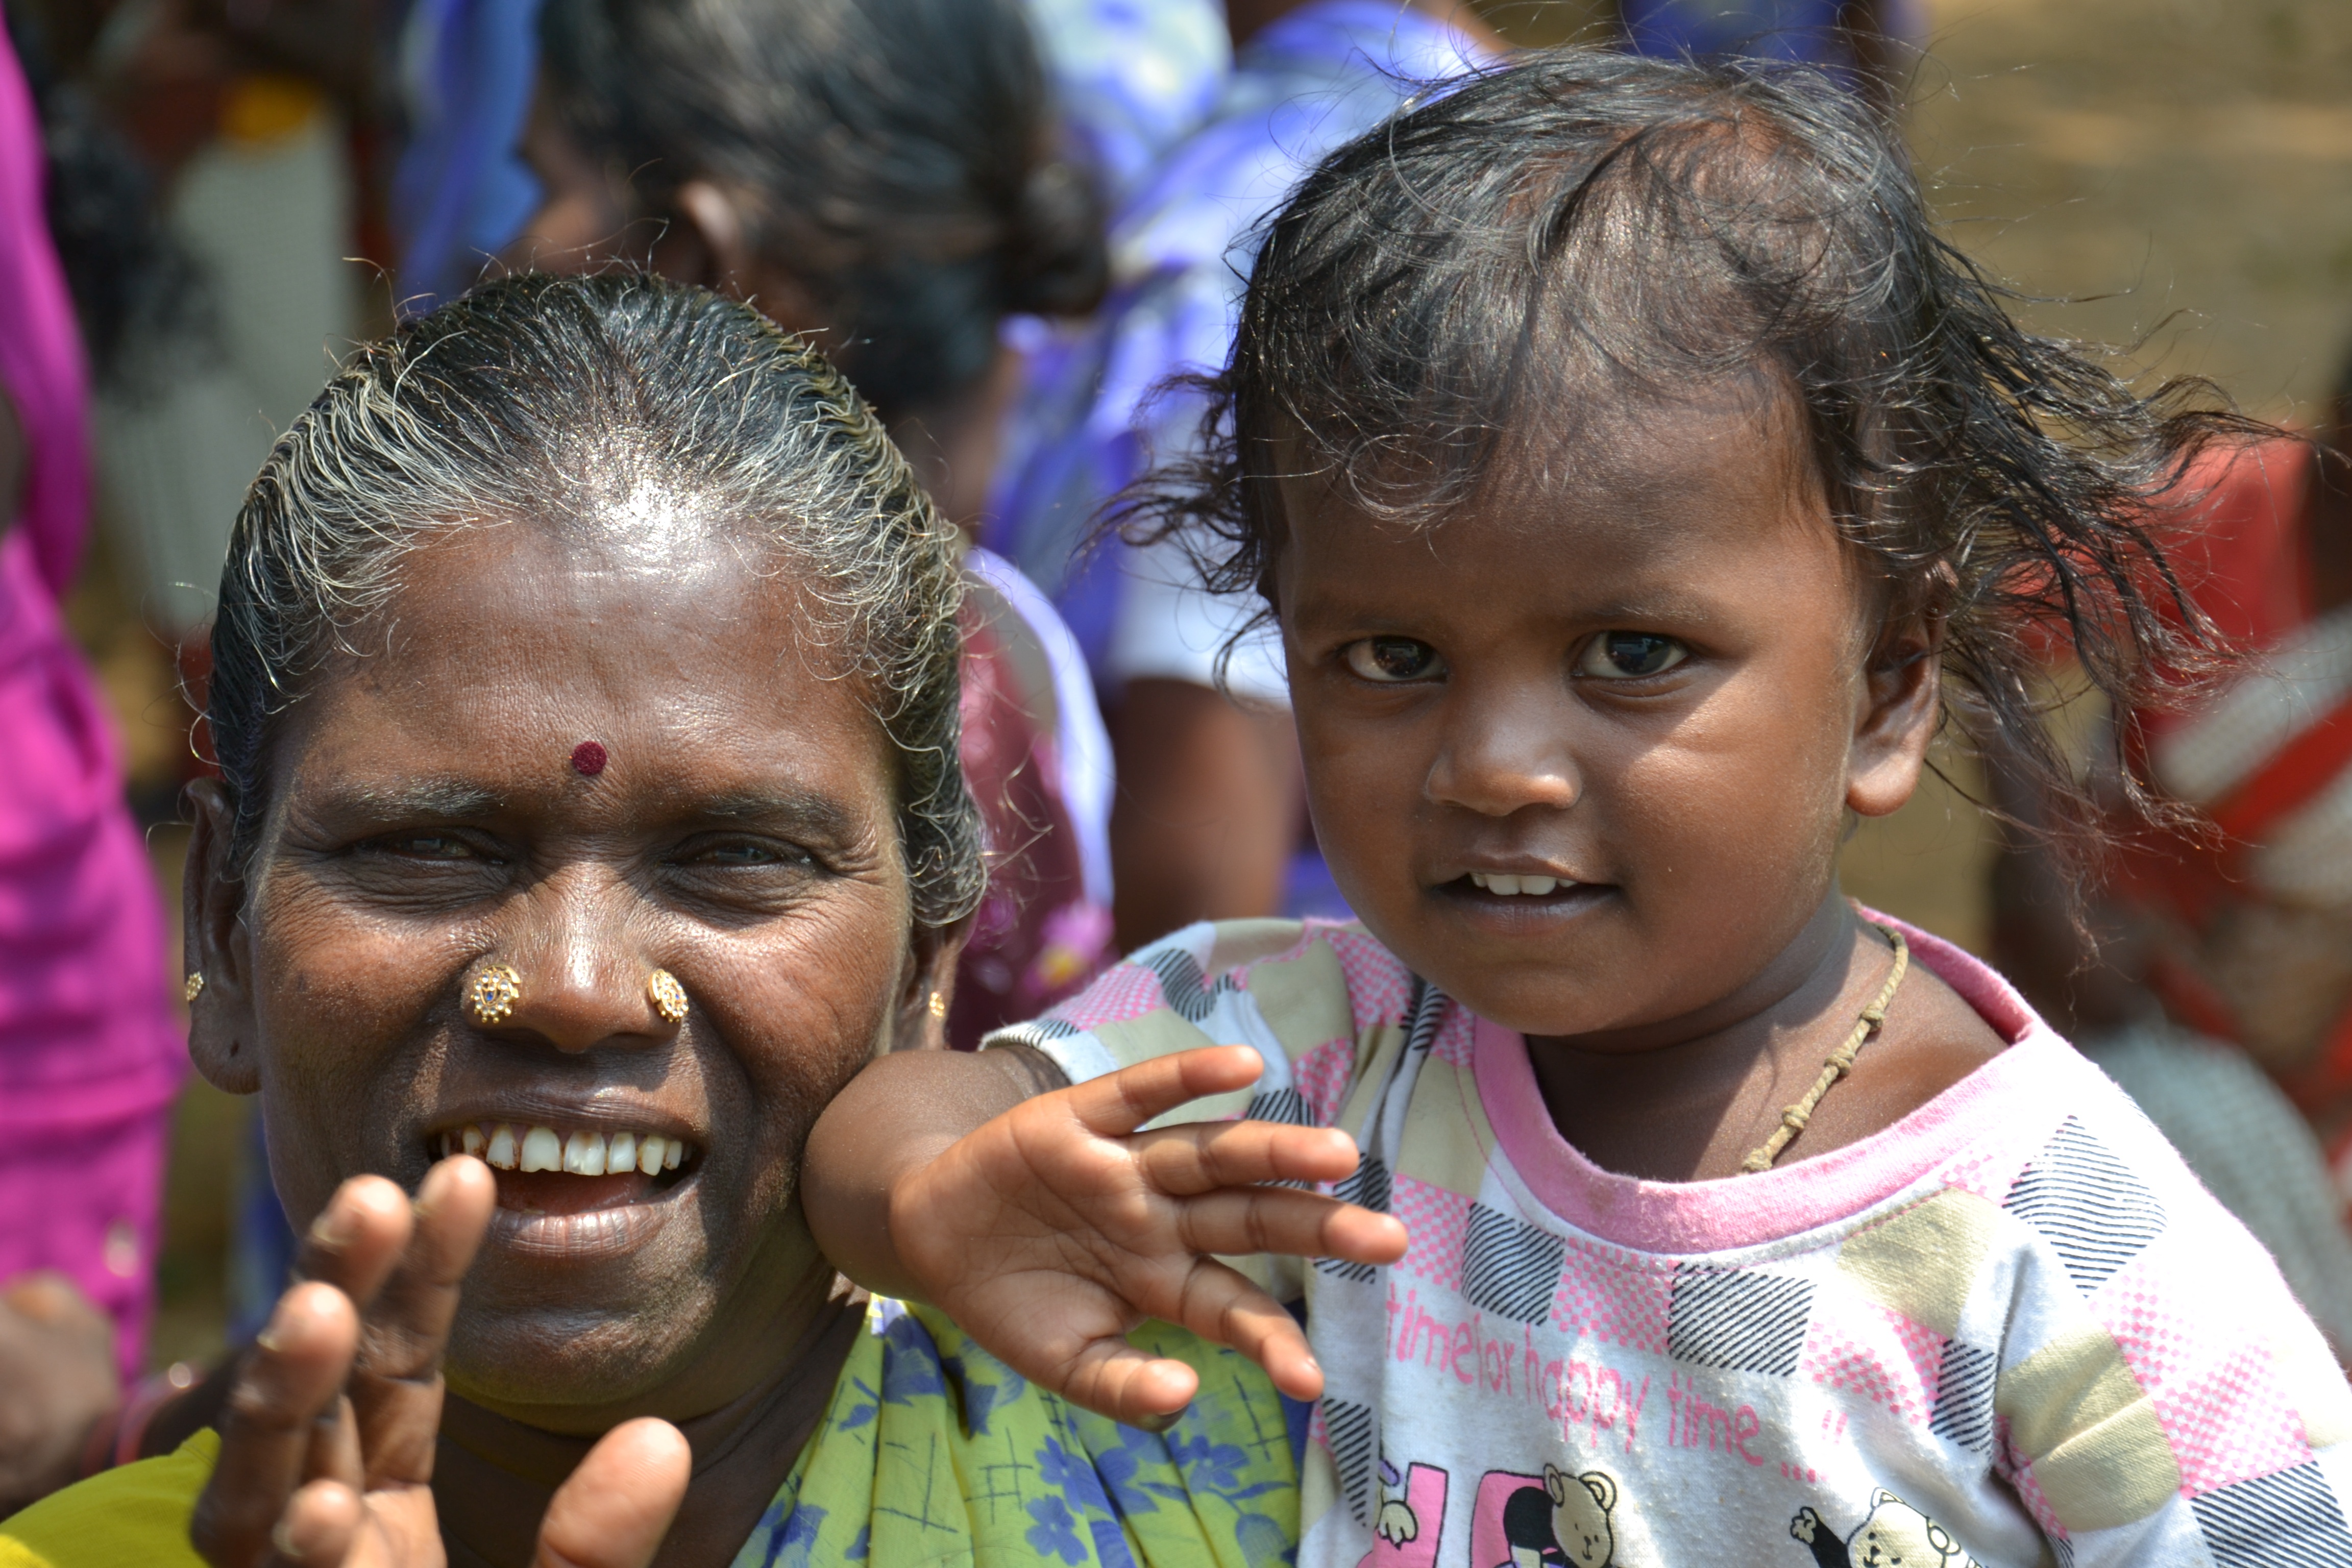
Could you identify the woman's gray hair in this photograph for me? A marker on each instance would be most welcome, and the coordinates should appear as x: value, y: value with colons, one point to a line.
x: 567, y: 403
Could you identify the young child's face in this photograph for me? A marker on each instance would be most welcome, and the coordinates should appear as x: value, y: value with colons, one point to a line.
x: 1634, y: 668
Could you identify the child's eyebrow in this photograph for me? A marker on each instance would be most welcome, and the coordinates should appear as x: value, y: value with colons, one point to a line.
x: 1658, y: 608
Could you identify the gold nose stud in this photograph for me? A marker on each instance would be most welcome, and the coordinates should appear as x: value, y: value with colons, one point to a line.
x: 667, y: 995
x: 492, y: 997
x: 193, y: 987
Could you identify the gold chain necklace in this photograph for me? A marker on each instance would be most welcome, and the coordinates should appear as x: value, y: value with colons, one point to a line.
x: 1840, y: 1062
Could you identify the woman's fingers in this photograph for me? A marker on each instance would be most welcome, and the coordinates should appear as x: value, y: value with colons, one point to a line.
x: 357, y: 1239
x: 615, y: 1507
x: 291, y: 1376
x: 1284, y: 1220
x: 335, y: 1448
x: 1117, y: 1103
x: 395, y: 1387
x: 321, y: 1525
x: 1202, y: 1156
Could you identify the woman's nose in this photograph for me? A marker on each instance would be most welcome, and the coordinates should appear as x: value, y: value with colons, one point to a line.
x: 581, y: 975
x: 1503, y: 752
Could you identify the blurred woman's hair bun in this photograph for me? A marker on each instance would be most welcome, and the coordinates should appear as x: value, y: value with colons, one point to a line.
x: 1055, y: 260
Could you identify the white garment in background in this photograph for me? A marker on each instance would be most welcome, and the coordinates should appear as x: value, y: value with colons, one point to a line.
x: 268, y: 226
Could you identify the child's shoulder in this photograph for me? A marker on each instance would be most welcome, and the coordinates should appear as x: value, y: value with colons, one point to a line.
x: 1311, y: 995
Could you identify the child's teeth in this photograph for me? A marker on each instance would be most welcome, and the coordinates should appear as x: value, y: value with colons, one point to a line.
x: 1512, y: 887
x: 671, y: 1155
x: 624, y: 1155
x: 471, y: 1140
x: 501, y: 1152
x: 584, y: 1154
x: 649, y: 1153
x: 541, y: 1150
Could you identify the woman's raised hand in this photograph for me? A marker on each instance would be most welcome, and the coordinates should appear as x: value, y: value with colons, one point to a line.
x: 327, y: 1444
x: 1056, y: 1227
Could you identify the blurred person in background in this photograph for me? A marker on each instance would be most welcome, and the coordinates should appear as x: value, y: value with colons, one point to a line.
x: 90, y: 1053
x: 1209, y: 813
x: 885, y: 178
x: 1872, y: 45
x: 2221, y: 993
x: 243, y: 115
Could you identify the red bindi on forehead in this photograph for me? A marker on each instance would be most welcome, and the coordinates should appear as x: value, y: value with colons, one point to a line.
x: 588, y: 759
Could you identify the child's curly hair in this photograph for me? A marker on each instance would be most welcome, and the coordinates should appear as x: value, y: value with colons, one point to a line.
x: 1440, y: 294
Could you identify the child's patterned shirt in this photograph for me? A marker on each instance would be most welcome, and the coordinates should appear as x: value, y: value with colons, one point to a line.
x: 2010, y: 1328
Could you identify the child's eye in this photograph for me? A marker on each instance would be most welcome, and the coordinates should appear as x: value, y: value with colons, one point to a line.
x: 1630, y: 656
x: 1393, y: 659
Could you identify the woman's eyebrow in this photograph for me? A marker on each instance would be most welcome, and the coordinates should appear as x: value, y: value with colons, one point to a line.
x: 807, y: 811
x: 414, y: 798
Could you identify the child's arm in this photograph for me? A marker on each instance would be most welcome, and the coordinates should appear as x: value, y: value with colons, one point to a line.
x: 1046, y: 1226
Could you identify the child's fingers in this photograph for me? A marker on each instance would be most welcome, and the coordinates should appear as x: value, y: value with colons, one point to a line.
x: 1202, y: 1156
x: 1238, y: 1220
x: 1219, y: 1303
x: 1117, y: 1103
x: 1111, y: 1377
x: 293, y: 1373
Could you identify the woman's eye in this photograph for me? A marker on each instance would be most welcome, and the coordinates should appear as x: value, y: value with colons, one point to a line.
x: 1390, y: 660
x: 426, y: 846
x: 1630, y: 656
x: 738, y: 852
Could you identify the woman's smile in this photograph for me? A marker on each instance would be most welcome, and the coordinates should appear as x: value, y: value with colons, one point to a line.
x: 581, y: 1185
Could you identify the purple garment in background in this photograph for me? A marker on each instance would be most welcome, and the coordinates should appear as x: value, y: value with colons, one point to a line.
x: 89, y: 1052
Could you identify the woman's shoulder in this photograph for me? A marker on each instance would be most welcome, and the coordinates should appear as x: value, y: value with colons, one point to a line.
x: 137, y: 1513
x: 935, y: 1450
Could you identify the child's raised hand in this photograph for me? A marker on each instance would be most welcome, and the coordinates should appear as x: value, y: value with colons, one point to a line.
x: 1057, y: 1228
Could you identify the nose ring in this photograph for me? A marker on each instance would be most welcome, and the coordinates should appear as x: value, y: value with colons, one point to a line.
x: 493, y: 993
x: 667, y: 995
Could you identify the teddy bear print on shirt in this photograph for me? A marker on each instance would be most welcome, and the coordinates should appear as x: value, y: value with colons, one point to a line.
x: 1563, y: 1523
x: 1894, y: 1535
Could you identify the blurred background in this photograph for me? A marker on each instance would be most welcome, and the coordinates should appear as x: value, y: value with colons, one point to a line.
x: 2174, y: 176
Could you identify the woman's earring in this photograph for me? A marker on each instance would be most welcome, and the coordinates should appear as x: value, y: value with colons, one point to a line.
x: 193, y: 987
x: 939, y: 1005
x: 492, y: 995
x: 668, y: 996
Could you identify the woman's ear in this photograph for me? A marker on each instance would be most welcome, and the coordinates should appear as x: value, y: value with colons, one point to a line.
x: 710, y: 244
x: 221, y: 1033
x: 1900, y: 707
x: 922, y: 1020
x: 705, y: 243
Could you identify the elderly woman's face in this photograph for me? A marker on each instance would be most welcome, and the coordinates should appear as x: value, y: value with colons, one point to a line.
x: 434, y: 812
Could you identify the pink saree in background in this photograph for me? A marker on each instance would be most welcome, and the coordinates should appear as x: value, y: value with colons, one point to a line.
x: 90, y: 1055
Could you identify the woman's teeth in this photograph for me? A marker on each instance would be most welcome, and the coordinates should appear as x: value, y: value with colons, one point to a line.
x: 508, y: 1148
x: 1508, y: 887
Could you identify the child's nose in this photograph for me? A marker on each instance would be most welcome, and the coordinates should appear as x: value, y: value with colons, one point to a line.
x: 1505, y: 753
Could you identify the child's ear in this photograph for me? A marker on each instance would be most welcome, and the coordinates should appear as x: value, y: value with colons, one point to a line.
x: 1901, y: 703
x: 218, y: 946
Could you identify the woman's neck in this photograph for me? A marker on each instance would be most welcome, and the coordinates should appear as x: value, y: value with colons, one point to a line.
x: 494, y: 1474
